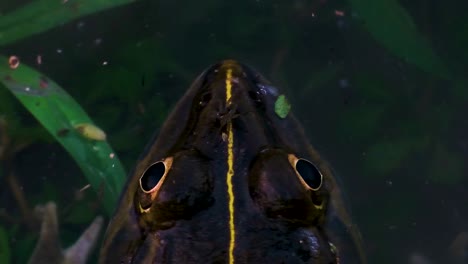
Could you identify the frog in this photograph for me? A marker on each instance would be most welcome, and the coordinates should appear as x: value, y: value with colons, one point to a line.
x: 230, y: 180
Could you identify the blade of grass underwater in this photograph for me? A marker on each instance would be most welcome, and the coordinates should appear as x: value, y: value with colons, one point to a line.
x: 393, y: 27
x: 59, y: 113
x: 42, y: 15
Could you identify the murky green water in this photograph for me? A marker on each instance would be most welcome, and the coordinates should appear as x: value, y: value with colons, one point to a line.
x: 381, y: 88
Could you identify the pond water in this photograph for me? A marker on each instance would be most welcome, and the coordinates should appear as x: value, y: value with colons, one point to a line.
x: 380, y: 87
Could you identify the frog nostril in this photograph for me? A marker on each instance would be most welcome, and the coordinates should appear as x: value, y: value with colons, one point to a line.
x: 205, y: 99
x: 254, y: 96
x: 309, y: 173
x: 152, y: 176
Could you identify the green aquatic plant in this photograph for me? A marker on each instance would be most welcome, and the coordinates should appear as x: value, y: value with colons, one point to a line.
x: 393, y: 27
x: 69, y: 124
x: 39, y: 16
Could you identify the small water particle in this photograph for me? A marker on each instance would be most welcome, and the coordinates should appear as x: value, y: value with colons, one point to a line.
x: 39, y: 59
x: 104, y: 63
x: 343, y: 83
x: 59, y: 51
x: 339, y: 13
x: 43, y: 82
x: 80, y: 25
x: 27, y: 89
x: 14, y: 62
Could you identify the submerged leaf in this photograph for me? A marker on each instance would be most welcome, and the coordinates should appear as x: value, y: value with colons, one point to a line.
x: 393, y: 27
x: 41, y: 15
x: 59, y: 113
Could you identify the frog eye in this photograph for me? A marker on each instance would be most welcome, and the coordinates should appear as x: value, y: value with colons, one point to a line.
x: 308, y: 173
x: 153, y: 175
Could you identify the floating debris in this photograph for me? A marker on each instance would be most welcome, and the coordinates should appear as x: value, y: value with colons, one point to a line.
x: 339, y: 13
x: 282, y: 106
x: 43, y: 82
x: 14, y: 62
x: 90, y: 131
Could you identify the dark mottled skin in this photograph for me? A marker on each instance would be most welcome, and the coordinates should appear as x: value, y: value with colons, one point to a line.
x: 277, y: 218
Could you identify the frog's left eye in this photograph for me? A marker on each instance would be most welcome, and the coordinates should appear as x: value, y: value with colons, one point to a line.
x: 308, y: 173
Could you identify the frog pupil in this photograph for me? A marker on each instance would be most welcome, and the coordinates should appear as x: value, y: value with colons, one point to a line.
x: 309, y: 173
x: 152, y: 176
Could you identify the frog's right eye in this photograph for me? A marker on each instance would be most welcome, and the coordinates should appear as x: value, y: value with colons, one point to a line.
x: 154, y: 175
x: 309, y: 173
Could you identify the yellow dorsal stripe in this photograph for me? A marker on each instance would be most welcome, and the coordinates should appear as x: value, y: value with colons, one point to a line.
x: 230, y: 171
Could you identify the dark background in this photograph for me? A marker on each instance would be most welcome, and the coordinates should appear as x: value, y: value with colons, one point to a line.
x: 394, y: 130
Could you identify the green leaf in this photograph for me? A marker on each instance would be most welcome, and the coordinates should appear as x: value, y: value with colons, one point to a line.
x: 393, y: 27
x: 60, y: 114
x: 4, y: 247
x: 42, y: 15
